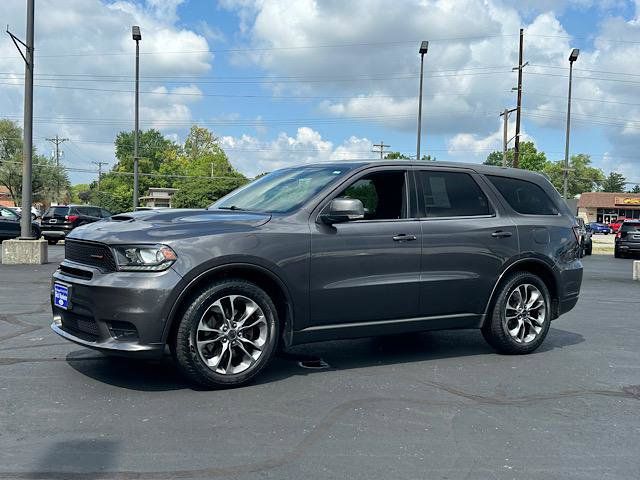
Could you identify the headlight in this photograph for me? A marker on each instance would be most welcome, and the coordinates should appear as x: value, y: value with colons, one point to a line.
x: 136, y: 258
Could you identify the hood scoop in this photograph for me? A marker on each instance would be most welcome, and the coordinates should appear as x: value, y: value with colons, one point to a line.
x: 122, y: 218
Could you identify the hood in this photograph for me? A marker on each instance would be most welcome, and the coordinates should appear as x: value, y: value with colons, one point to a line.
x: 161, y: 226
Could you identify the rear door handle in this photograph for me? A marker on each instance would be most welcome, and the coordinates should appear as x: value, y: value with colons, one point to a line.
x: 501, y: 234
x: 403, y: 237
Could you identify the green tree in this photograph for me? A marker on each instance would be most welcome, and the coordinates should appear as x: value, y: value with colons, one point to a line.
x: 635, y: 189
x: 615, y: 182
x: 48, y: 179
x: 75, y: 192
x: 582, y: 176
x: 530, y: 158
x: 396, y: 156
x: 202, y: 192
x: 199, y: 169
x: 402, y: 156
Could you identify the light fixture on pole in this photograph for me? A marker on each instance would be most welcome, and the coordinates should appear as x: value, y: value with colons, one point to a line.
x: 137, y: 36
x: 573, y: 56
x: 424, y: 47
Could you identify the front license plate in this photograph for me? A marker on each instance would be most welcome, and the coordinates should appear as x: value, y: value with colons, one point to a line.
x: 61, y: 295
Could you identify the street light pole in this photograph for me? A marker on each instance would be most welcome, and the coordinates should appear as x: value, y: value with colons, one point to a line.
x: 137, y: 36
x: 565, y: 187
x: 424, y: 47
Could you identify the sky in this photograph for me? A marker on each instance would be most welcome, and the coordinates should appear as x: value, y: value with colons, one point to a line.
x: 285, y: 82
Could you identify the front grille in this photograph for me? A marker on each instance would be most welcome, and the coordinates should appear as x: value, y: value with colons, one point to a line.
x: 80, y: 326
x: 89, y: 253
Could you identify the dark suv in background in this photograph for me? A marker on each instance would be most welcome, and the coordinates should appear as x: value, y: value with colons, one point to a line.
x: 322, y: 252
x: 627, y: 238
x: 59, y: 220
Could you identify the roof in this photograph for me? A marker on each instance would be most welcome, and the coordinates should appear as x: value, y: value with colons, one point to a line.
x: 604, y: 199
x: 477, y: 167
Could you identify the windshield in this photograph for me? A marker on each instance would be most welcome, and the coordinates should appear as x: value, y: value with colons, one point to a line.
x: 283, y: 190
x: 630, y: 227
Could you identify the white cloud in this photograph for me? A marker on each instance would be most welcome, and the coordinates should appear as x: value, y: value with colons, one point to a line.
x: 252, y: 156
x: 86, y: 45
x: 461, y: 91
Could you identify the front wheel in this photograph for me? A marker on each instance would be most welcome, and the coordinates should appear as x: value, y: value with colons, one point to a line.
x: 227, y: 335
x: 521, y: 315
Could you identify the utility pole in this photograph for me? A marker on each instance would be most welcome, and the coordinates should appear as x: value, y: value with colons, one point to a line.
x: 516, y: 150
x: 27, y: 155
x: 99, y: 164
x: 505, y: 134
x: 382, y: 146
x: 57, y: 141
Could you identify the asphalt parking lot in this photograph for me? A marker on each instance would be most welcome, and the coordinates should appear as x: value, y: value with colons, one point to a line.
x: 439, y: 405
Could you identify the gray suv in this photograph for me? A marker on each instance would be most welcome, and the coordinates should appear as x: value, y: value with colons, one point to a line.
x: 322, y: 252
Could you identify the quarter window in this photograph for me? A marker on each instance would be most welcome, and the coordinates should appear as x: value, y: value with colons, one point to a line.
x: 524, y: 197
x: 452, y: 194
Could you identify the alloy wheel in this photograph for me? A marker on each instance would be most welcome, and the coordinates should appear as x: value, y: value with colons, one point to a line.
x: 525, y: 313
x: 231, y: 334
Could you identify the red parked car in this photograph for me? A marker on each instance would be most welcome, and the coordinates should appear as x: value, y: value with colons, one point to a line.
x: 615, y: 224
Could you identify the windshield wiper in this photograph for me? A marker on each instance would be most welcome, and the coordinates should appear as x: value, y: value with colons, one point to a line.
x: 231, y: 207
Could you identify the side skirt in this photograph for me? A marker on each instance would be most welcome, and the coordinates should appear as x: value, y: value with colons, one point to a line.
x: 320, y: 333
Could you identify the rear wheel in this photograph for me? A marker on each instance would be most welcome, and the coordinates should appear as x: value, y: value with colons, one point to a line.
x: 227, y: 335
x: 617, y: 254
x: 521, y: 315
x: 589, y: 250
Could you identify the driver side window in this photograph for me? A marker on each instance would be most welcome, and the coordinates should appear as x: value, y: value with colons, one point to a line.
x: 383, y: 194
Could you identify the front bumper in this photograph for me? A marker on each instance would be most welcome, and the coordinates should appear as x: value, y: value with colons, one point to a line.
x: 121, y: 313
x: 51, y: 231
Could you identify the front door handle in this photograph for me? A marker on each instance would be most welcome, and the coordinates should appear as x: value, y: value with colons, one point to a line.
x: 403, y: 237
x: 501, y: 234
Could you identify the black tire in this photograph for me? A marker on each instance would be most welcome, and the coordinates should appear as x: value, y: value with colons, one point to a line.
x: 52, y: 241
x: 35, y: 232
x: 186, y: 354
x: 589, y: 250
x: 617, y: 254
x: 494, y: 329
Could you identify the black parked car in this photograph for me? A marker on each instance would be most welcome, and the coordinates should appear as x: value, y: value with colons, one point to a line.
x: 628, y: 238
x: 322, y: 252
x: 10, y: 224
x: 59, y: 220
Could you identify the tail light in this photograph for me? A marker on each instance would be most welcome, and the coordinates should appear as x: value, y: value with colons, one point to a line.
x: 71, y: 218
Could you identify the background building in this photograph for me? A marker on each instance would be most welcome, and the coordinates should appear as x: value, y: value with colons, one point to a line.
x: 605, y: 207
x: 5, y: 198
x: 158, y: 197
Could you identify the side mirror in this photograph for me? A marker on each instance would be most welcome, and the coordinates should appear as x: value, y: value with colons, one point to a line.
x: 342, y: 210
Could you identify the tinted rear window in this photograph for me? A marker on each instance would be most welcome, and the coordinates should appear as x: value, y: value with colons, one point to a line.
x: 524, y: 197
x: 452, y: 194
x: 59, y: 211
x: 631, y: 227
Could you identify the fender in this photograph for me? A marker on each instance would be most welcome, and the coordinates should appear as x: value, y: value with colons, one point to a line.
x: 213, y: 266
x: 529, y: 257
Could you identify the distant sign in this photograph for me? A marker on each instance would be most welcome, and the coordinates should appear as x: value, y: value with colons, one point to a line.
x: 628, y: 201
